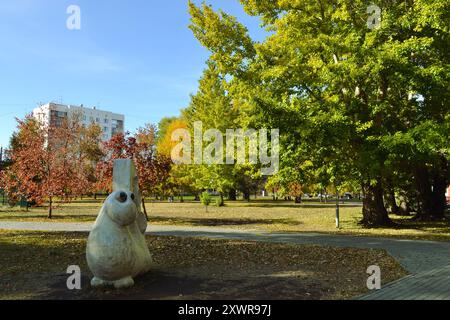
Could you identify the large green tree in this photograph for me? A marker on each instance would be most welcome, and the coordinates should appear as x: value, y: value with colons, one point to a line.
x: 341, y: 90
x: 213, y: 108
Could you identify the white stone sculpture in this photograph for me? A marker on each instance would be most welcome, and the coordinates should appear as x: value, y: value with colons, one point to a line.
x: 116, y: 249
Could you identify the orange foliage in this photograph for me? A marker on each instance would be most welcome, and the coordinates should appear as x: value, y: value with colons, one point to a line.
x: 166, y: 144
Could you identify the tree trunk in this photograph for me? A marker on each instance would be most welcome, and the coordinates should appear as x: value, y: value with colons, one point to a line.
x: 439, y: 203
x: 440, y: 184
x: 246, y: 195
x: 391, y: 202
x: 431, y: 197
x: 425, y: 196
x: 404, y: 204
x: 374, y: 212
x: 50, y: 208
x: 232, y: 195
x: 143, y: 207
x: 433, y: 185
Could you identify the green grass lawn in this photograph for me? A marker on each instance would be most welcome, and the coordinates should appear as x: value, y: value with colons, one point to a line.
x: 34, y: 264
x: 257, y: 215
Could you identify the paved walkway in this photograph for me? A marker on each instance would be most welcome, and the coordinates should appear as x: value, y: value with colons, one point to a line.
x: 429, y: 285
x: 427, y: 261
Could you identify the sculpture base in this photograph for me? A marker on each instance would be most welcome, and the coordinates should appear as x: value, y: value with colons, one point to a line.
x: 118, y: 284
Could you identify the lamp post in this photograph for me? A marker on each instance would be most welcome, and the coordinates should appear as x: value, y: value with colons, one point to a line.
x: 338, y: 224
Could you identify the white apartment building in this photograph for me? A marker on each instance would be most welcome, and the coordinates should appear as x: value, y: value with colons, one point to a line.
x: 52, y: 114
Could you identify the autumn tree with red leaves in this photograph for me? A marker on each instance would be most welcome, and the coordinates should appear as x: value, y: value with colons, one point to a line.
x: 50, y: 163
x: 153, y: 168
x: 121, y: 146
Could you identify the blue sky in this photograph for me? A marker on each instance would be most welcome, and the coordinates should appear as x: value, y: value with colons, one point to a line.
x: 134, y: 57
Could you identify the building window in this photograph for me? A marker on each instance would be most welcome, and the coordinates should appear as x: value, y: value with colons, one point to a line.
x: 117, y: 126
x: 57, y: 118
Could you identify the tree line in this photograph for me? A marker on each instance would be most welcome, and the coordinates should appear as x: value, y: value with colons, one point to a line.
x: 359, y: 109
x: 68, y: 161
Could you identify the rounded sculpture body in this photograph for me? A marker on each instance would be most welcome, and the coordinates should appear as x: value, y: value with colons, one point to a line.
x: 116, y: 249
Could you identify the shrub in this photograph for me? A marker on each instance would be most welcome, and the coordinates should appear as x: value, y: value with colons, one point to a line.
x: 219, y: 202
x: 205, y: 199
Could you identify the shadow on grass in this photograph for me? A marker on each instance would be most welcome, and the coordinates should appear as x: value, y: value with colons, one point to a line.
x: 408, y: 222
x: 43, y: 211
x: 220, y: 222
x: 429, y: 226
x: 92, y: 201
x: 295, y: 205
x: 44, y: 217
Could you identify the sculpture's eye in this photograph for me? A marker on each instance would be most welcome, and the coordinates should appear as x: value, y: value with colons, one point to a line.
x: 122, y: 197
x: 132, y: 196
